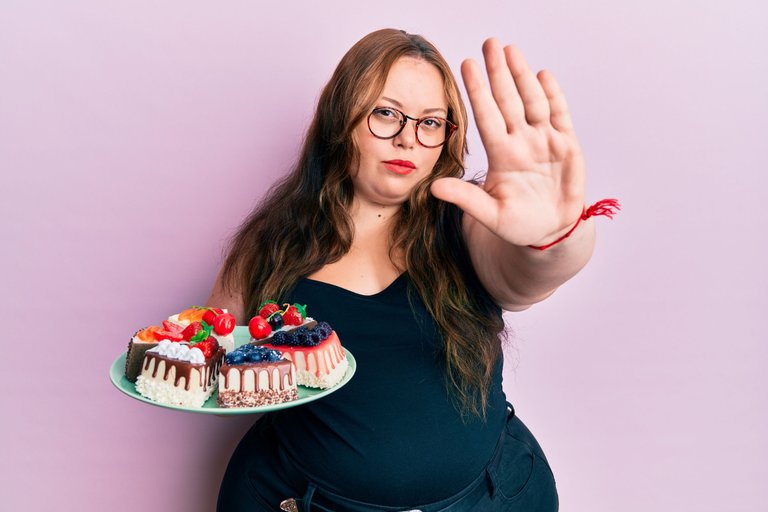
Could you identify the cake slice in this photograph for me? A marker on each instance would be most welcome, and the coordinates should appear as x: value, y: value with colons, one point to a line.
x: 191, y: 325
x: 317, y: 353
x: 175, y: 374
x: 253, y: 376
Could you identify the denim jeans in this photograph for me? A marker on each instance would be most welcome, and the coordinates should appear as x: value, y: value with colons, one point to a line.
x: 517, y: 478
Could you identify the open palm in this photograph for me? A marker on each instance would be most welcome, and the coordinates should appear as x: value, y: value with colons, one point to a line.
x: 534, y: 188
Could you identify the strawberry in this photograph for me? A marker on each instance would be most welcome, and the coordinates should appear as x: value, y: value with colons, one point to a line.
x: 208, y: 347
x: 210, y: 315
x: 268, y: 308
x: 172, y: 327
x: 191, y: 330
x: 295, y: 314
x: 224, y: 324
x: 259, y: 328
x: 161, y: 335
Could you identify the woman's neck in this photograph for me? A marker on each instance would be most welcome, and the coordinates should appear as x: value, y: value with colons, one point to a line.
x: 371, y: 219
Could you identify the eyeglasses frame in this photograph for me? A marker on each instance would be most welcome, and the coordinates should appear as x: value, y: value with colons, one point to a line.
x: 404, y: 121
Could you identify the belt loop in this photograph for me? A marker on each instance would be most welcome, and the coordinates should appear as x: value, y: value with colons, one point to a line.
x: 490, y: 476
x: 306, y: 502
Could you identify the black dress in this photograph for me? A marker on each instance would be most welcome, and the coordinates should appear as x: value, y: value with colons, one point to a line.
x: 392, y: 436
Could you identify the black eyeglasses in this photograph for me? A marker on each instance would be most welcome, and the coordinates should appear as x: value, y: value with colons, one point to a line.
x: 388, y: 122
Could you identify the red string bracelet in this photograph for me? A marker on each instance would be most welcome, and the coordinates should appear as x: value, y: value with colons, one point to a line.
x: 607, y: 207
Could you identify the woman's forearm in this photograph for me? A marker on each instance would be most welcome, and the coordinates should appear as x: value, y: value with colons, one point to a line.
x: 519, y: 276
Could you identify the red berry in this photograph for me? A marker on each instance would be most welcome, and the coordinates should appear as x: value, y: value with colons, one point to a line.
x: 209, y: 347
x: 224, y: 324
x: 172, y: 327
x: 292, y: 316
x: 191, y: 330
x: 205, y: 348
x: 268, y: 308
x: 162, y: 334
x: 210, y: 315
x: 259, y: 328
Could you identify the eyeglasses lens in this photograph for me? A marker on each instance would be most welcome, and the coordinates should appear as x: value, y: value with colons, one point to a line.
x: 385, y: 123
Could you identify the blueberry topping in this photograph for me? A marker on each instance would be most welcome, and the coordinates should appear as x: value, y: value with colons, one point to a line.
x: 274, y: 356
x: 235, y: 357
x: 255, y: 356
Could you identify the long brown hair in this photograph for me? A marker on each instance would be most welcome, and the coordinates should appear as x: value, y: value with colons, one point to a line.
x: 316, y: 196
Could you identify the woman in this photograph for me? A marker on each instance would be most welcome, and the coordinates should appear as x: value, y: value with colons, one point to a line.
x: 377, y: 233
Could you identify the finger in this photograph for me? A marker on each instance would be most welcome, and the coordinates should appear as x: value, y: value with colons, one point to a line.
x: 503, y: 85
x: 534, y: 100
x: 490, y: 122
x: 559, y: 115
x: 469, y: 197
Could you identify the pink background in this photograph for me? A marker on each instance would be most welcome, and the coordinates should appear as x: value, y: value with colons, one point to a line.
x: 135, y: 136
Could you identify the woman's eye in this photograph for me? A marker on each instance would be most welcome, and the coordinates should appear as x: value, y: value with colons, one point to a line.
x: 432, y: 123
x: 385, y: 112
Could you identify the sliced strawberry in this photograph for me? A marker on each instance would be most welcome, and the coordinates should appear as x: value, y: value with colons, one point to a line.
x: 161, y: 334
x: 172, y: 327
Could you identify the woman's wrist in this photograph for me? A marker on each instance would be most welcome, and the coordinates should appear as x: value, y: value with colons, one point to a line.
x: 607, y: 207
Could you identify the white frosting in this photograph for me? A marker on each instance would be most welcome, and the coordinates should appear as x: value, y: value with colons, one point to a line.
x: 179, y: 352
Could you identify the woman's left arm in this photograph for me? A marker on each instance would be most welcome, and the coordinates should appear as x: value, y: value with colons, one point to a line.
x: 533, y: 192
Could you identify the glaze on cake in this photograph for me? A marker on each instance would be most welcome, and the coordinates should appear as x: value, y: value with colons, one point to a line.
x: 254, y: 376
x: 175, y: 374
x: 317, y: 353
x: 191, y: 325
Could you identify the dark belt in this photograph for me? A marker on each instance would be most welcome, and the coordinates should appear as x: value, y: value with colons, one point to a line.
x: 484, y: 483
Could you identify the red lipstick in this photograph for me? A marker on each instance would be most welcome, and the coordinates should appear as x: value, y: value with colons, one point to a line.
x: 400, y: 166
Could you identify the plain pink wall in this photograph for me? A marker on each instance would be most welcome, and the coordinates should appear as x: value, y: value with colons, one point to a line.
x: 135, y: 136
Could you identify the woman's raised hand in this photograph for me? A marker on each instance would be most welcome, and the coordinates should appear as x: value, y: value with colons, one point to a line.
x: 534, y: 188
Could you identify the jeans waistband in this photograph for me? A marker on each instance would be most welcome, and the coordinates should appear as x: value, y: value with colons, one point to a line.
x: 317, y: 499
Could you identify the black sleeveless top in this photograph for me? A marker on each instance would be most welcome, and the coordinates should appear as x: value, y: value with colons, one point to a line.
x: 392, y: 434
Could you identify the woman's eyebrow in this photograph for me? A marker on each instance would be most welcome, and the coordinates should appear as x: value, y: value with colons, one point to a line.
x: 425, y: 111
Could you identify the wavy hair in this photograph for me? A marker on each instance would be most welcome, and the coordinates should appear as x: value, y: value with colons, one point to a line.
x: 318, y: 192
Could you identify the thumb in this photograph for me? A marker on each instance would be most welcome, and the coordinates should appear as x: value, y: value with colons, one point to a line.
x: 469, y: 197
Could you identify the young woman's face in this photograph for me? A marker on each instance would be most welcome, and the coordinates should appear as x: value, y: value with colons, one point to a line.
x: 414, y: 87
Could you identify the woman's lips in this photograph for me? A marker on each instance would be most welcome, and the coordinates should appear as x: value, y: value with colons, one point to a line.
x: 399, y: 166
